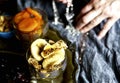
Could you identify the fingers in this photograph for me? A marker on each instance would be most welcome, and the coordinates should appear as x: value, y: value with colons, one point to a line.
x: 93, y: 23
x: 88, y: 19
x: 107, y: 27
x: 88, y: 7
x: 94, y: 13
x: 85, y: 10
x: 89, y: 13
x: 93, y: 4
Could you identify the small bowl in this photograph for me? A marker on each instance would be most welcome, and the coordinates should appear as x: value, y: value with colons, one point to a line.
x: 7, y: 35
x: 6, y: 27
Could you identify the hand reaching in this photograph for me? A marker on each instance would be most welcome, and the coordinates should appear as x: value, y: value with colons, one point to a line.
x: 95, y: 12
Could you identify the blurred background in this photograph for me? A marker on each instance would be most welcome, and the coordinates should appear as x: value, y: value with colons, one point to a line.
x: 8, y: 6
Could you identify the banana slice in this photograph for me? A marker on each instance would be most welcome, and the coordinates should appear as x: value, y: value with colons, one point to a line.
x: 51, y: 49
x: 56, y: 58
x: 50, y: 55
x: 36, y: 46
x: 60, y: 44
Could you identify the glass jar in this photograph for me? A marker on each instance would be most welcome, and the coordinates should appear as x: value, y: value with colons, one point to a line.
x: 55, y: 76
x: 24, y: 25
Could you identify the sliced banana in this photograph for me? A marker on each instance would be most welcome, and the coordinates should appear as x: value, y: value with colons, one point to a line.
x: 51, y: 55
x: 51, y: 49
x: 47, y: 51
x: 60, y: 44
x: 56, y: 58
x: 36, y: 46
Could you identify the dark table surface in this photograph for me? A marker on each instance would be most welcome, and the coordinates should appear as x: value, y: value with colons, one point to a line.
x: 13, y: 64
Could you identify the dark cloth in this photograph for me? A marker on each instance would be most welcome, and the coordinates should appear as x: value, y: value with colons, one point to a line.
x: 100, y: 62
x: 101, y: 57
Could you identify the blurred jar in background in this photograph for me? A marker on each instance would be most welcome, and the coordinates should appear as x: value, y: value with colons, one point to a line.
x: 30, y: 24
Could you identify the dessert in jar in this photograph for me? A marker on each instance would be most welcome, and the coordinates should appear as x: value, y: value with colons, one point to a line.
x: 30, y: 24
x: 47, y: 59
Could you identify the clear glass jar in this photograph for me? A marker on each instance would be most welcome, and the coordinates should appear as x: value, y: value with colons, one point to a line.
x: 27, y: 37
x: 55, y: 76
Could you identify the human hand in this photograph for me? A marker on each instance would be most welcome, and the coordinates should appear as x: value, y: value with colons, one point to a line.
x: 95, y: 12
